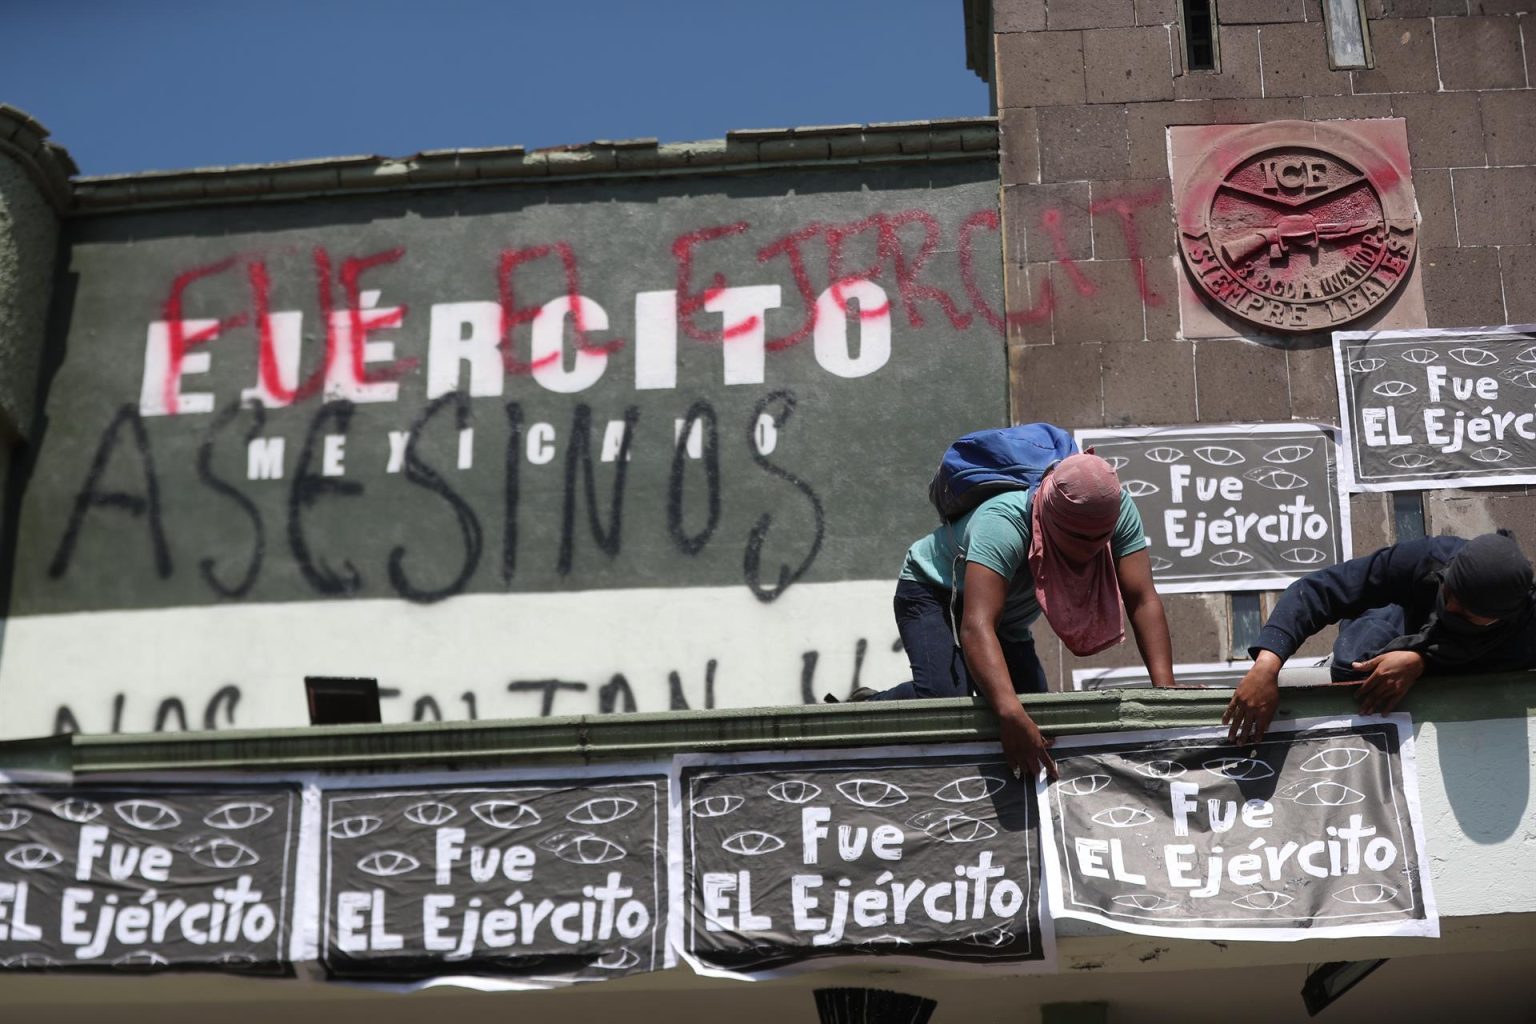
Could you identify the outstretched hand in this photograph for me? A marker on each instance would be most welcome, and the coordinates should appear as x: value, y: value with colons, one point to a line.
x: 1391, y: 675
x: 1255, y: 701
x: 1024, y: 746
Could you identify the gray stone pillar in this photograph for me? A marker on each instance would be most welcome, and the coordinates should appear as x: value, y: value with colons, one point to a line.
x: 34, y: 191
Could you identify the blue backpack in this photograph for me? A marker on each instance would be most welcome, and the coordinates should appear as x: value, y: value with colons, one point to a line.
x: 989, y: 462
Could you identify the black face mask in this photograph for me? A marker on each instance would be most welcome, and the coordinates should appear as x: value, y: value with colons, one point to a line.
x: 1448, y: 623
x: 1452, y: 643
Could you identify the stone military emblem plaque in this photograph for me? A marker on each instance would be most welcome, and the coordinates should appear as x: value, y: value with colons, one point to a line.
x: 1296, y: 227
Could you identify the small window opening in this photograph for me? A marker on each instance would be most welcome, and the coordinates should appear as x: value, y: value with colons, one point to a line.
x: 1247, y: 620
x: 341, y: 700
x: 1199, y: 29
x: 1349, y: 44
x: 1408, y: 515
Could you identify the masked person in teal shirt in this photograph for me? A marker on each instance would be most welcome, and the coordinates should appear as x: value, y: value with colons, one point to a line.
x: 1072, y: 548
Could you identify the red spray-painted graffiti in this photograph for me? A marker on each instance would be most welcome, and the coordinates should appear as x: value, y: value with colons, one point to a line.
x: 1053, y: 221
x: 359, y: 323
x: 896, y: 248
x: 513, y: 315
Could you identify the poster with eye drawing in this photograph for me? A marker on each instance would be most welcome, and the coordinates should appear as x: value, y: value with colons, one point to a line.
x: 535, y: 883
x: 1313, y: 832
x: 910, y: 852
x: 1437, y: 408
x: 147, y: 877
x: 1245, y: 506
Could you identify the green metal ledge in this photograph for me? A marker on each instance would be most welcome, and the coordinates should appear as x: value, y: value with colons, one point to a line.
x: 609, y: 738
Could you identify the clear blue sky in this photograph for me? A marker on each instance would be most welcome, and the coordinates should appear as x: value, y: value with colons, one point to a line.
x: 131, y: 85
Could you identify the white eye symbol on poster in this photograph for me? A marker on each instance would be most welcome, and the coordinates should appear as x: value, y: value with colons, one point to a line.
x: 1246, y: 506
x: 1437, y: 408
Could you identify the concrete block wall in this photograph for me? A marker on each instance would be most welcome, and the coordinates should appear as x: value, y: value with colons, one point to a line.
x: 1086, y: 90
x: 34, y: 189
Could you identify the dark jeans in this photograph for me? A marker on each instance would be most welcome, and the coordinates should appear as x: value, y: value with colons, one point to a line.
x: 1363, y: 638
x: 938, y: 667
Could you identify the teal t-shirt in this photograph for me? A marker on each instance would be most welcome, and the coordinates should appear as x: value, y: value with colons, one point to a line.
x: 996, y: 534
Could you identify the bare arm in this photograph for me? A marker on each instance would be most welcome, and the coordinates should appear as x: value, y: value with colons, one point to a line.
x: 1145, y: 610
x: 1255, y: 700
x: 985, y: 592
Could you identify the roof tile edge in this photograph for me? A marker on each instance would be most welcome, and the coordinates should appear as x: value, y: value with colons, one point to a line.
x: 892, y: 142
x: 610, y: 738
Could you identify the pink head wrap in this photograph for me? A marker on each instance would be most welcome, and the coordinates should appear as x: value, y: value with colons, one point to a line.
x: 1074, y: 514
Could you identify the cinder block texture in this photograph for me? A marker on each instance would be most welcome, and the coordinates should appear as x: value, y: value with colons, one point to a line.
x: 1132, y: 219
x: 1413, y: 8
x: 1019, y: 136
x: 1128, y: 65
x: 29, y: 234
x: 1027, y: 290
x: 1444, y: 129
x: 1518, y: 266
x: 1371, y: 522
x: 1404, y: 51
x: 1018, y: 15
x: 1257, y: 12
x: 1239, y: 74
x: 1241, y: 382
x: 1496, y: 205
x: 1084, y: 143
x: 1069, y: 14
x: 1313, y: 392
x: 1149, y: 383
x: 1157, y: 12
x: 1339, y: 108
x: 1480, y: 53
x: 1254, y: 111
x: 1469, y: 513
x: 1296, y: 62
x: 1039, y: 69
x: 1509, y: 124
x: 1048, y: 222
x: 1058, y: 384
x: 1462, y: 287
x: 1499, y: 7
x: 1437, y: 211
x: 1097, y: 301
x: 1161, y: 307
x: 1146, y: 129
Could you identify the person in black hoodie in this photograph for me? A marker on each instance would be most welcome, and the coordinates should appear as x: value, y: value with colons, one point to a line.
x: 1442, y: 604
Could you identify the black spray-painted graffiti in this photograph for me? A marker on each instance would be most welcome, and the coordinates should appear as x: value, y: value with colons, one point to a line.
x: 693, y: 513
x: 170, y: 713
x: 218, y: 713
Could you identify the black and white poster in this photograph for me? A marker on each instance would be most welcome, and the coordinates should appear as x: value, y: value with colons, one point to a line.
x: 1438, y: 408
x: 537, y: 882
x: 147, y: 877
x: 915, y: 852
x: 1246, y: 506
x: 1312, y: 832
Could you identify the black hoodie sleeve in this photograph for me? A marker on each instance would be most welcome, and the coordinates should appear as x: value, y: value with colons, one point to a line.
x: 1346, y: 590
